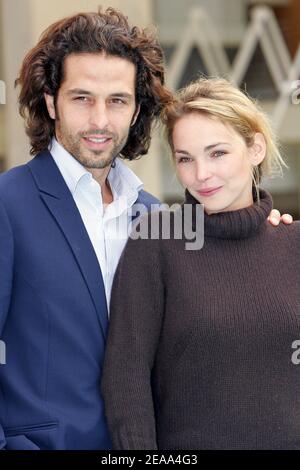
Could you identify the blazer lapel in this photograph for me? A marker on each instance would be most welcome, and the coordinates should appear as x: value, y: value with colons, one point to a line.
x: 59, y: 200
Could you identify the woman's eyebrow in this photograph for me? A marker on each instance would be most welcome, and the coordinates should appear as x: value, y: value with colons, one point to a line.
x: 209, y: 147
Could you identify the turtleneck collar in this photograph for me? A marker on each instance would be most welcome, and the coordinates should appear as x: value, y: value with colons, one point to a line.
x: 242, y: 223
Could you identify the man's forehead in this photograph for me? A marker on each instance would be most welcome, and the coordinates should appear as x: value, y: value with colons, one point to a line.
x: 98, y: 68
x: 90, y: 61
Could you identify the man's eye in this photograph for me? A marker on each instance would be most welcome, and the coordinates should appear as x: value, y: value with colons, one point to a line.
x: 118, y: 101
x: 81, y: 98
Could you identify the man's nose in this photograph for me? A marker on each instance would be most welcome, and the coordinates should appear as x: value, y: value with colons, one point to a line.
x: 99, y: 116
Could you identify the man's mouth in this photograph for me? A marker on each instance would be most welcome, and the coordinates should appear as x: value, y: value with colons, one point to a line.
x: 97, y: 142
x: 97, y: 139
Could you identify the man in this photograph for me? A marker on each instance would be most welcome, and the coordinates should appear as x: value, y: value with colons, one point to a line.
x: 89, y: 92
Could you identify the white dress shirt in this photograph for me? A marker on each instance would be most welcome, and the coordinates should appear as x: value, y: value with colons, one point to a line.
x: 107, y: 227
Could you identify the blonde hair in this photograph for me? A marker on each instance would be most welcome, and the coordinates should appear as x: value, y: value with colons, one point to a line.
x: 219, y: 98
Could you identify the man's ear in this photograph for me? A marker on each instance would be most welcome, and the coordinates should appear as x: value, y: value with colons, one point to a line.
x: 258, y: 149
x: 136, y: 113
x: 50, y: 105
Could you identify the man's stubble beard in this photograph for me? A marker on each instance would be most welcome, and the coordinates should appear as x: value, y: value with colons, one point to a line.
x: 74, y: 146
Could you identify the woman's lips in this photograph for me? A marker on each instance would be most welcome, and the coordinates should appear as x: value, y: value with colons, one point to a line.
x: 209, y: 191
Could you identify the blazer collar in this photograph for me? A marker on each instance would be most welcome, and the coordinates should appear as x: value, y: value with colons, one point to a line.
x: 59, y: 201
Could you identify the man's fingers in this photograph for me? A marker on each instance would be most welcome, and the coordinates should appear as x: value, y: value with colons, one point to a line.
x: 287, y: 219
x: 274, y: 217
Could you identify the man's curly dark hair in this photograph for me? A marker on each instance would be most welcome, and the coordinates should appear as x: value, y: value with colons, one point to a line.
x: 107, y: 31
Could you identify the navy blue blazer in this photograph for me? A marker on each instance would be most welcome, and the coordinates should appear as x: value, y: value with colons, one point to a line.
x: 53, y: 315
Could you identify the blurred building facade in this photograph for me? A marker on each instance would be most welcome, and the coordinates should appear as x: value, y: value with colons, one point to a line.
x: 255, y: 43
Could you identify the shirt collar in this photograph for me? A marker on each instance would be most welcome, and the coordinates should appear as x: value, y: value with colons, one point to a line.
x: 123, y: 181
x: 71, y: 170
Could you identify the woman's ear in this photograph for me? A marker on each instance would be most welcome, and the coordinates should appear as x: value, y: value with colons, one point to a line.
x: 50, y: 105
x: 258, y: 149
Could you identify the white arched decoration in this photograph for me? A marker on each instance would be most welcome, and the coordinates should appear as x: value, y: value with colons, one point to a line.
x: 263, y: 29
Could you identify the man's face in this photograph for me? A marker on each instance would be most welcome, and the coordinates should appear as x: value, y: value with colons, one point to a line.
x: 95, y: 107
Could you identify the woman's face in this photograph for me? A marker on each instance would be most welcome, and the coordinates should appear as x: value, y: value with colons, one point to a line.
x: 214, y: 163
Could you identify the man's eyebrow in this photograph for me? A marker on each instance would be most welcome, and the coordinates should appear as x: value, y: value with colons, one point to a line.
x: 78, y: 91
x: 122, y: 94
x: 81, y: 91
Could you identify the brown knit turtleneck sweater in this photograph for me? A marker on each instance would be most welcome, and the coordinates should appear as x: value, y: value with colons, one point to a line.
x: 199, y: 353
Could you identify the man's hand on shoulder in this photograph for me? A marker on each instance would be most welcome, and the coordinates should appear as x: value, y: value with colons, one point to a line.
x: 275, y: 218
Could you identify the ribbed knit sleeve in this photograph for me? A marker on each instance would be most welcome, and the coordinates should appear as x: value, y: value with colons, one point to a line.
x: 135, y: 322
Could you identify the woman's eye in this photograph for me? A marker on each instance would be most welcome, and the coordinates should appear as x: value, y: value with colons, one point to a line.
x: 183, y: 159
x: 218, y: 153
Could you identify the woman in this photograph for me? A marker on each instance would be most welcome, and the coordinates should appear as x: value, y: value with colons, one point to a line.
x: 199, y: 354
